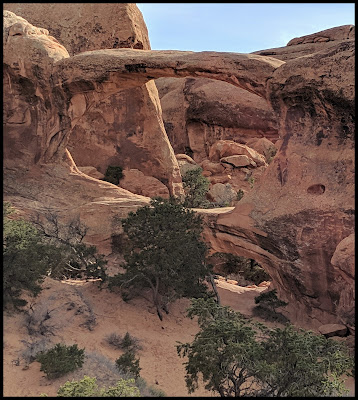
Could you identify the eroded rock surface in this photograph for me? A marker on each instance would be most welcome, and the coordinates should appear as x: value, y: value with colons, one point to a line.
x: 198, y: 111
x: 294, y: 218
x: 124, y: 129
x: 303, y: 206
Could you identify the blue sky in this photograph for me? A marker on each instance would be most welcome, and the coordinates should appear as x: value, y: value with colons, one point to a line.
x: 238, y: 27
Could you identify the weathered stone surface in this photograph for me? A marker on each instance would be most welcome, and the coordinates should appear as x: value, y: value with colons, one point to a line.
x: 343, y: 257
x: 82, y: 27
x: 110, y: 131
x: 330, y: 330
x: 310, y: 44
x: 213, y: 167
x: 224, y: 148
x: 263, y: 146
x: 343, y: 260
x: 91, y: 171
x: 295, y: 238
x: 198, y: 112
x: 136, y: 182
x: 343, y: 32
x: 220, y: 179
x: 237, y: 161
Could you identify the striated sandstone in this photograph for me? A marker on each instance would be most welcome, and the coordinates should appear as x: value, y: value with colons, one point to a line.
x: 91, y: 171
x: 110, y: 131
x: 312, y: 174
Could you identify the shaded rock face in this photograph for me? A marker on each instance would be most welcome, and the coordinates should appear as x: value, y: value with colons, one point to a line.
x: 136, y: 182
x: 124, y: 129
x: 304, y: 206
x: 295, y: 217
x: 198, y: 112
x: 44, y: 100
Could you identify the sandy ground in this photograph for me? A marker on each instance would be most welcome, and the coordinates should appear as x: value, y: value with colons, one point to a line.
x: 74, y: 303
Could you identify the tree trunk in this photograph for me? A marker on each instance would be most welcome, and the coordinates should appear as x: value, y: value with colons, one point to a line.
x: 214, y: 288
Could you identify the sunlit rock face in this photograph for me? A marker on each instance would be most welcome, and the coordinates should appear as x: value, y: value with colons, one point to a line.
x: 303, y: 208
x: 126, y: 128
x: 295, y: 220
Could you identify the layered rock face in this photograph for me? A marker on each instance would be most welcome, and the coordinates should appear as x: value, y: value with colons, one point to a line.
x: 124, y: 129
x: 297, y: 221
x: 45, y: 99
x: 310, y: 44
x: 199, y: 112
x: 303, y: 209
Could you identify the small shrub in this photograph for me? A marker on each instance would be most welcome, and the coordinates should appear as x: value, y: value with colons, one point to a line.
x: 33, y: 348
x: 128, y: 342
x: 148, y: 390
x: 196, y: 185
x: 239, y: 195
x: 114, y: 340
x: 113, y: 174
x: 87, y: 387
x: 60, y: 360
x: 128, y: 364
x: 238, y: 267
x: 270, y: 300
x: 251, y: 181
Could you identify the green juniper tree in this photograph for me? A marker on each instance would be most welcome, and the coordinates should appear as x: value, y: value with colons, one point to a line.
x: 26, y: 259
x: 239, y: 358
x: 195, y: 186
x: 164, y: 253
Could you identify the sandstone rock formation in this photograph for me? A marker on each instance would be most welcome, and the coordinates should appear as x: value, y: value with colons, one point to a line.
x: 310, y: 44
x: 198, y: 112
x: 330, y: 330
x: 136, y: 182
x: 124, y: 129
x: 91, y: 171
x: 44, y: 100
x: 294, y: 218
x: 293, y: 221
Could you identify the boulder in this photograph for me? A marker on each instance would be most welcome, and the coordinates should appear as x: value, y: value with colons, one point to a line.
x: 224, y: 148
x: 220, y: 179
x: 91, y: 171
x: 263, y: 146
x: 330, y: 330
x: 213, y: 167
x: 237, y: 161
x: 136, y: 182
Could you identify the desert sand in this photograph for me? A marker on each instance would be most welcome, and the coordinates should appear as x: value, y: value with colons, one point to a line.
x: 73, y: 303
